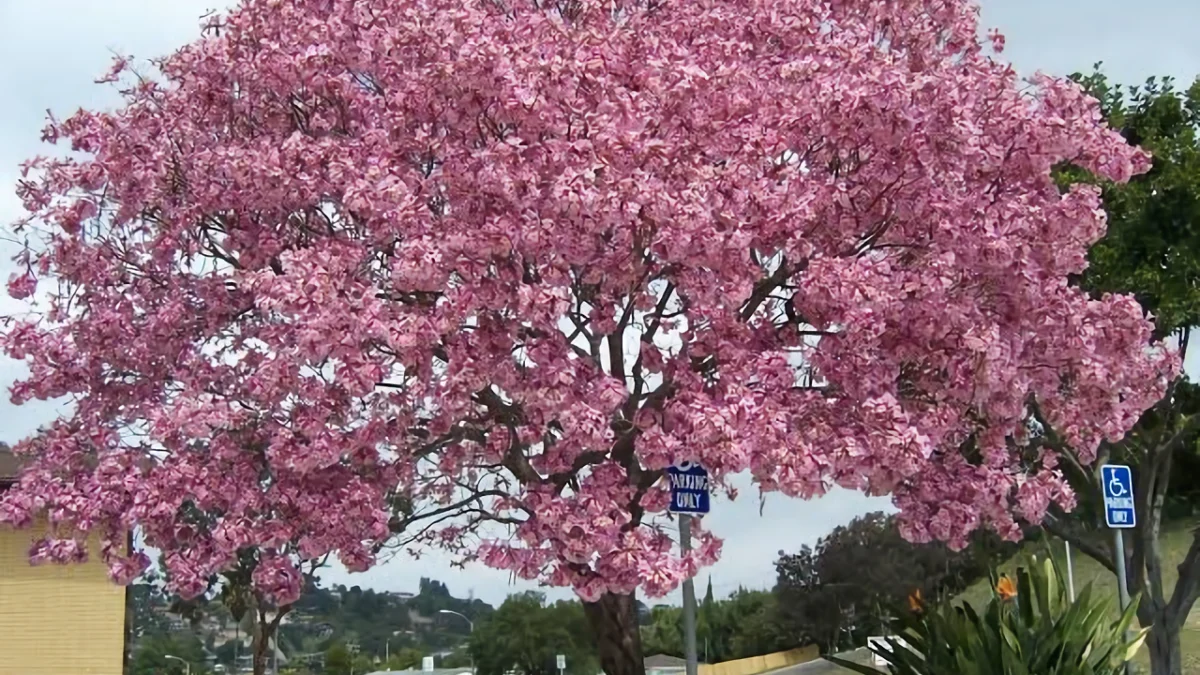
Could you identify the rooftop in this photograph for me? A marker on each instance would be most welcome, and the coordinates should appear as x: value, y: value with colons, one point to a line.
x: 436, y: 671
x: 9, y: 464
x: 662, y: 661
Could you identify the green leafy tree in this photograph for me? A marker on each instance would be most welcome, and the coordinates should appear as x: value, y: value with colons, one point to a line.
x: 711, y: 639
x: 1152, y: 250
x: 338, y: 660
x: 459, y: 658
x: 150, y: 656
x: 525, y: 635
x: 750, y: 626
x: 742, y: 625
x: 862, y: 574
x: 404, y: 659
x: 361, y: 665
x: 663, y: 632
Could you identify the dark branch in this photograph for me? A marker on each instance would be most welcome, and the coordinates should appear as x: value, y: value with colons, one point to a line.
x: 1187, y: 588
x: 1100, y: 553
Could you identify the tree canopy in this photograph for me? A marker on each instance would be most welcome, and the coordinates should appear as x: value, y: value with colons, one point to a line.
x: 1152, y: 251
x: 345, y: 273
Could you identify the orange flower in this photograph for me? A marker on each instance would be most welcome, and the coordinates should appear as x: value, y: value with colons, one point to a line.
x: 915, y: 603
x: 1006, y: 589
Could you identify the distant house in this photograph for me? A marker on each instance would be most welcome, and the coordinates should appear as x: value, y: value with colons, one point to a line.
x: 55, y: 619
x: 436, y: 671
x: 661, y: 664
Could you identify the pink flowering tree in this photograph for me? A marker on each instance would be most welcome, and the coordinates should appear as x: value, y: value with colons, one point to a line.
x: 473, y: 274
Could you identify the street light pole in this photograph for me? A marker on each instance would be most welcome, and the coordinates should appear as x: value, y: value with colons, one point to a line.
x: 463, y: 616
x: 471, y: 625
x: 186, y: 665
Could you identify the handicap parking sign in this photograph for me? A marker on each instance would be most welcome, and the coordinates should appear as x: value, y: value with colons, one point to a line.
x: 1117, y: 482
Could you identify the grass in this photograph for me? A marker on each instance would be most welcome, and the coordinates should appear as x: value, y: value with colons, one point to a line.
x: 1176, y: 539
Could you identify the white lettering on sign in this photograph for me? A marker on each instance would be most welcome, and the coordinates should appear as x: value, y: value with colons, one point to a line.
x: 687, y: 500
x: 1119, y: 516
x: 1119, y: 502
x: 683, y: 481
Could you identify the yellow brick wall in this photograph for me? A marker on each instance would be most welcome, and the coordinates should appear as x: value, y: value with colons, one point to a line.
x: 57, y: 619
x: 762, y: 664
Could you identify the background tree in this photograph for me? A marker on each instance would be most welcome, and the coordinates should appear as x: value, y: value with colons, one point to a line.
x: 150, y: 657
x: 709, y: 619
x: 742, y: 625
x: 322, y: 279
x: 338, y: 660
x: 406, y: 658
x: 751, y: 626
x: 1152, y: 251
x: 227, y: 652
x: 525, y: 635
x: 663, y: 632
x: 362, y: 664
x: 860, y: 576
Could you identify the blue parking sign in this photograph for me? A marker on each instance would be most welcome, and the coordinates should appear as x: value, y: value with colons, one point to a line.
x: 689, y: 488
x: 1117, y: 482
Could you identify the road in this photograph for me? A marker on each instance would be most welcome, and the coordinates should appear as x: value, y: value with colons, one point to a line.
x: 823, y: 667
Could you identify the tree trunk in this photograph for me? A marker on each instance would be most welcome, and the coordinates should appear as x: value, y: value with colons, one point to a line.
x: 264, y: 632
x: 1166, y: 657
x: 262, y: 640
x: 613, y: 619
x: 130, y: 614
x: 130, y: 626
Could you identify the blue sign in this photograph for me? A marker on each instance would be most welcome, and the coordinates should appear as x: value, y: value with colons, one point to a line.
x: 1119, y: 511
x: 689, y: 488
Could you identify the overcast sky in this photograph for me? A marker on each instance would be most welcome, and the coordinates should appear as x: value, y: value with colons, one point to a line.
x: 52, y: 50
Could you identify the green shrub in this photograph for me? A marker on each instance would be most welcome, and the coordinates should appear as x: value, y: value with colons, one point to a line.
x: 1030, y: 627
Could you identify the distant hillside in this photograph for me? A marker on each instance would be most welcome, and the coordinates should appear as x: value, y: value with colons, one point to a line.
x: 366, y: 622
x: 1177, y: 538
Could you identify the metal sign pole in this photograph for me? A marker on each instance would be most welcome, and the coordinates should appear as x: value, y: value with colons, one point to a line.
x: 689, y: 599
x: 1120, y: 513
x: 689, y: 497
x: 1122, y: 582
x: 1070, y: 572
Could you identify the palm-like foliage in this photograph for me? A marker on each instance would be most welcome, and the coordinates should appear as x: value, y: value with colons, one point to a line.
x: 1030, y: 627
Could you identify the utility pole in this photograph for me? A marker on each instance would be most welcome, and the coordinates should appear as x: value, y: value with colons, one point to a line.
x: 689, y: 599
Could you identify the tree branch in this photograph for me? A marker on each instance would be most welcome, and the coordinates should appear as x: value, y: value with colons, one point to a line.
x: 398, y: 525
x: 1187, y: 588
x: 1189, y: 428
x: 766, y: 286
x: 1098, y: 552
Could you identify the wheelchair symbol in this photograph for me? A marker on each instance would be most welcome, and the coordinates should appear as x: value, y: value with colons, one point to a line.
x: 1115, y: 487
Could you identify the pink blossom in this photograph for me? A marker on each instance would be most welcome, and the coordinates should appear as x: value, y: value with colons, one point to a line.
x: 22, y: 286
x: 508, y: 267
x: 278, y: 579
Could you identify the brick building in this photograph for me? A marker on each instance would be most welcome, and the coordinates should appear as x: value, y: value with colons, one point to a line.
x: 55, y: 619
